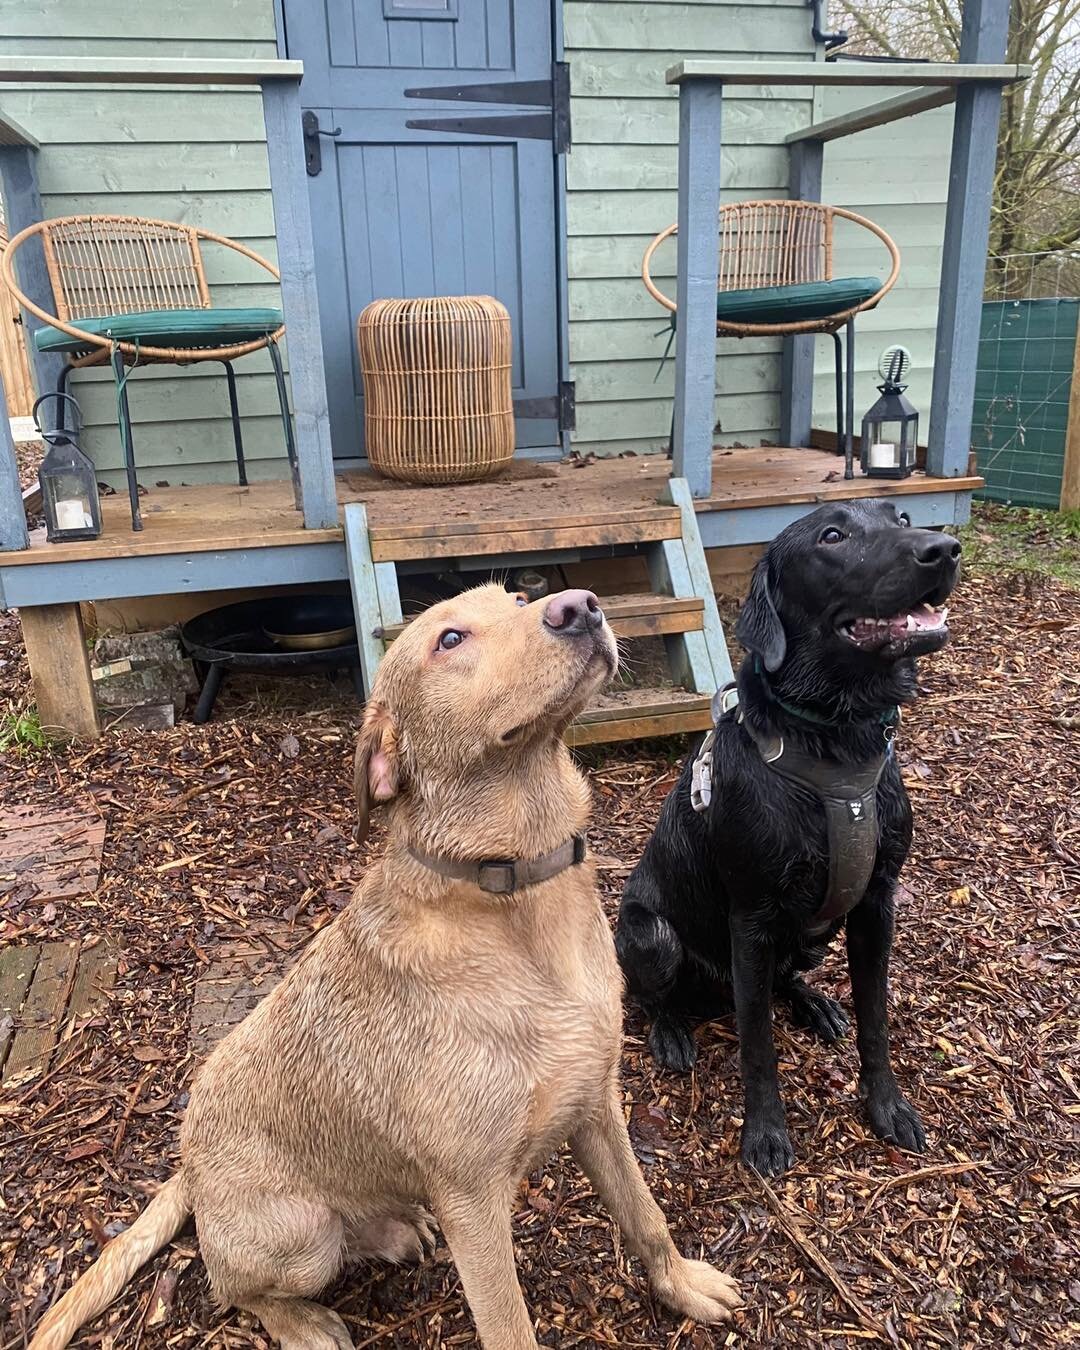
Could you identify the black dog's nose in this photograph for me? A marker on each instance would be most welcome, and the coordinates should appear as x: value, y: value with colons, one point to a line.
x: 573, y: 612
x: 933, y: 549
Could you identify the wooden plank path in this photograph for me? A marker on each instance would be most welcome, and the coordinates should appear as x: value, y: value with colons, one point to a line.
x: 48, y: 992
x: 57, y: 852
x: 242, y: 971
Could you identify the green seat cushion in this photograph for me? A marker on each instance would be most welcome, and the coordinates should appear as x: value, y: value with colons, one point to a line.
x: 185, y: 328
x: 791, y: 304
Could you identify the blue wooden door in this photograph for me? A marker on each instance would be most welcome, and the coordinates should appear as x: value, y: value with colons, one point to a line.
x: 433, y: 129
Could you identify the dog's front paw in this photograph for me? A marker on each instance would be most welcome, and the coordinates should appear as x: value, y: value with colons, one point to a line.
x: 819, y: 1014
x: 671, y: 1043
x: 892, y: 1117
x: 766, y: 1147
x: 698, y: 1290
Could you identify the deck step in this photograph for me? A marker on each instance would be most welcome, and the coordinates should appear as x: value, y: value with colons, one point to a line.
x: 631, y: 616
x: 462, y: 538
x: 634, y: 713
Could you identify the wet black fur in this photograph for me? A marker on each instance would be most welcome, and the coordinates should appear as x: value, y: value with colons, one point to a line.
x: 713, y: 915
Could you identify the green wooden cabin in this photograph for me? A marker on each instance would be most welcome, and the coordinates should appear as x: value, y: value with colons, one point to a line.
x: 199, y: 155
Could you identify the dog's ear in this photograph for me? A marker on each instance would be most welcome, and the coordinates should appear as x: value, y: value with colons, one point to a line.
x: 759, y: 628
x: 375, y: 772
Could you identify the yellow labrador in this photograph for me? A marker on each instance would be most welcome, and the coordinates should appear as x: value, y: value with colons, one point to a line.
x: 459, y: 1020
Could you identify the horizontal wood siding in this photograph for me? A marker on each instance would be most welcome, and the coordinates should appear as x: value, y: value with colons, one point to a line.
x: 898, y: 176
x: 622, y: 176
x: 190, y: 154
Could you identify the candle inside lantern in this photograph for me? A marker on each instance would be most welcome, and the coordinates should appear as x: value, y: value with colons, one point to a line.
x: 883, y: 455
x: 71, y: 514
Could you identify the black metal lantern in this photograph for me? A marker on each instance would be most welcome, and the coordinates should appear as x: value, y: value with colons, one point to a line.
x: 890, y: 430
x: 69, y: 492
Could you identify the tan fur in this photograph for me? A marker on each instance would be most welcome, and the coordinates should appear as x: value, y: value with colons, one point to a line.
x: 436, y: 1042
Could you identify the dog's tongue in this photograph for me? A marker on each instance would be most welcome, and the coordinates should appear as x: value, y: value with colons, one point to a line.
x: 922, y: 618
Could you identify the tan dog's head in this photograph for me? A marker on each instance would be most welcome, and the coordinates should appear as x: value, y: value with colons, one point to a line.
x: 475, y: 688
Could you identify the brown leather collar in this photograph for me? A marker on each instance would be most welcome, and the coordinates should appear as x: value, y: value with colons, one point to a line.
x: 503, y: 876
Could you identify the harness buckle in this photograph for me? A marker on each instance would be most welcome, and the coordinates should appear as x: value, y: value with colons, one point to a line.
x: 701, y: 776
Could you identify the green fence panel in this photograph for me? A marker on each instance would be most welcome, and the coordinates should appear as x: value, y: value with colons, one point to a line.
x: 1026, y: 353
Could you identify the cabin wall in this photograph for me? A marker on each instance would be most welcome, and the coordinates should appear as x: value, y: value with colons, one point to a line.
x: 189, y: 154
x: 200, y: 155
x: 896, y: 175
x: 622, y: 178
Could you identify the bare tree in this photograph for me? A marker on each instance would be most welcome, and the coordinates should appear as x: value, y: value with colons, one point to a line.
x: 1036, y: 210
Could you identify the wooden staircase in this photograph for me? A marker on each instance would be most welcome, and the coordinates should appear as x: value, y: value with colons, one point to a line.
x: 681, y: 609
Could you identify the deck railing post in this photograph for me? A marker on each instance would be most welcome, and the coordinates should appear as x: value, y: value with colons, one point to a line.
x: 300, y: 300
x: 967, y: 231
x: 22, y: 204
x: 805, y: 160
x: 700, y: 104
x: 12, y: 516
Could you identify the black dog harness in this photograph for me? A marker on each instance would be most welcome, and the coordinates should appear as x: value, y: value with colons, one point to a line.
x: 848, y: 794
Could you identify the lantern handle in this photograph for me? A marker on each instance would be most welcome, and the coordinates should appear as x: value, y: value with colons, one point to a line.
x: 45, y: 435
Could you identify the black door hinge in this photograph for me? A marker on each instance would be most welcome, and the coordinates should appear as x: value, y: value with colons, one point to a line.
x: 553, y: 124
x: 558, y: 406
x: 312, y: 144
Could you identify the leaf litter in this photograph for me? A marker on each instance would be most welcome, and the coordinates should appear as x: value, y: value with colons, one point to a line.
x: 213, y: 829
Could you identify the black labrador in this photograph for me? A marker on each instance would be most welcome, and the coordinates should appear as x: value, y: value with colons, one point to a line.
x: 728, y: 903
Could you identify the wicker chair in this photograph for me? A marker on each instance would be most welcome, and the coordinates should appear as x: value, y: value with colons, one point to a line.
x: 775, y: 278
x: 132, y: 291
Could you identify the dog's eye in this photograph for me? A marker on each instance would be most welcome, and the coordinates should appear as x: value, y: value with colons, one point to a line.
x: 904, y: 519
x: 831, y: 536
x: 521, y: 599
x: 451, y: 638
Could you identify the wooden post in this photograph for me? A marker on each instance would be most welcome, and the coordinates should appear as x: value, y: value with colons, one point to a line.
x: 1070, y: 469
x: 22, y: 204
x: 805, y: 160
x: 967, y: 231
x: 60, y: 668
x: 700, y: 105
x: 12, y: 516
x: 300, y: 301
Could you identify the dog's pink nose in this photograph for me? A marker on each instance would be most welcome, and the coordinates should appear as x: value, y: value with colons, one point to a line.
x: 572, y: 612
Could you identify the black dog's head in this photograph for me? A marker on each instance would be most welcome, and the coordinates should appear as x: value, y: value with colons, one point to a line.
x: 848, y: 595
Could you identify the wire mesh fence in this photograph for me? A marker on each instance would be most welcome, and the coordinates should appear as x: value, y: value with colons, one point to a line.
x: 1027, y: 357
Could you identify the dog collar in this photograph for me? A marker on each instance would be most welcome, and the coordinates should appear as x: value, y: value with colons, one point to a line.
x: 848, y: 794
x: 888, y: 718
x: 503, y: 876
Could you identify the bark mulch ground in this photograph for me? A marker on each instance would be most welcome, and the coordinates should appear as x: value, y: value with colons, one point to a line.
x: 212, y: 830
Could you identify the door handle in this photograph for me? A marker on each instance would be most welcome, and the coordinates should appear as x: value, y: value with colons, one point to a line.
x: 312, y: 147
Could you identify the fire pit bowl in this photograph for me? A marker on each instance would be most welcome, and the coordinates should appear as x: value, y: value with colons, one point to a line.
x: 237, y: 639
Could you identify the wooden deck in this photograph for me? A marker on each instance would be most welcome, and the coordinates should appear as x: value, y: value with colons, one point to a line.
x: 531, y: 507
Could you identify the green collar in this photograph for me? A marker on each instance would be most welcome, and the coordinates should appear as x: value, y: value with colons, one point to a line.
x: 889, y: 717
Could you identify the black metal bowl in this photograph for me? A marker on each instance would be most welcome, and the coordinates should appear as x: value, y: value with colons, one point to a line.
x: 237, y: 637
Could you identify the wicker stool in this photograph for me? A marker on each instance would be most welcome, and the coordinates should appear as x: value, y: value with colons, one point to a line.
x: 437, y: 401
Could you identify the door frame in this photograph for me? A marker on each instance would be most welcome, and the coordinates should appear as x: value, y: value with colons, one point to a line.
x: 559, y: 207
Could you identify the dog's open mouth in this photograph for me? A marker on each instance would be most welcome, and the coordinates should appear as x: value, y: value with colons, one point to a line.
x: 924, y: 618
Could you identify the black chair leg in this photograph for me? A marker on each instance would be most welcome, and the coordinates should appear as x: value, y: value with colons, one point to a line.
x: 849, y: 418
x: 124, y: 415
x: 838, y: 370
x: 286, y: 420
x: 238, y: 436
